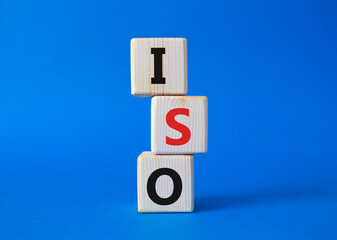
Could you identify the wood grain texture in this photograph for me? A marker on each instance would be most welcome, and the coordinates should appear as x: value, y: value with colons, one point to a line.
x: 197, y: 122
x: 174, y: 66
x: 183, y: 165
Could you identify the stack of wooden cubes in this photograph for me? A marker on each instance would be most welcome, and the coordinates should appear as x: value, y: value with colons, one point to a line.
x: 178, y: 125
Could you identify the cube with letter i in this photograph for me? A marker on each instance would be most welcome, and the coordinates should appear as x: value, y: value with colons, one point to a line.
x: 158, y: 66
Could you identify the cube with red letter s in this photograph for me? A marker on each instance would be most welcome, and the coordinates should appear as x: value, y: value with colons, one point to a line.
x: 179, y: 125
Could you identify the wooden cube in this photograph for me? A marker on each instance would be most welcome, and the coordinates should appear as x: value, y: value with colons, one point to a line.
x: 165, y: 183
x: 179, y: 125
x: 158, y: 66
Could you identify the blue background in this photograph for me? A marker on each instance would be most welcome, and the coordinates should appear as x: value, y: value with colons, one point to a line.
x: 71, y: 132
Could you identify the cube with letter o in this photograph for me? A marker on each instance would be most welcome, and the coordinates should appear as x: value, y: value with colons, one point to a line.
x: 165, y: 183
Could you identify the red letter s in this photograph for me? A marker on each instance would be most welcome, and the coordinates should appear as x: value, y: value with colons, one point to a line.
x: 171, y: 122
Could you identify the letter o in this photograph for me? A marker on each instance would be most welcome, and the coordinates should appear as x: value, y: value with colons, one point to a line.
x: 177, y: 186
